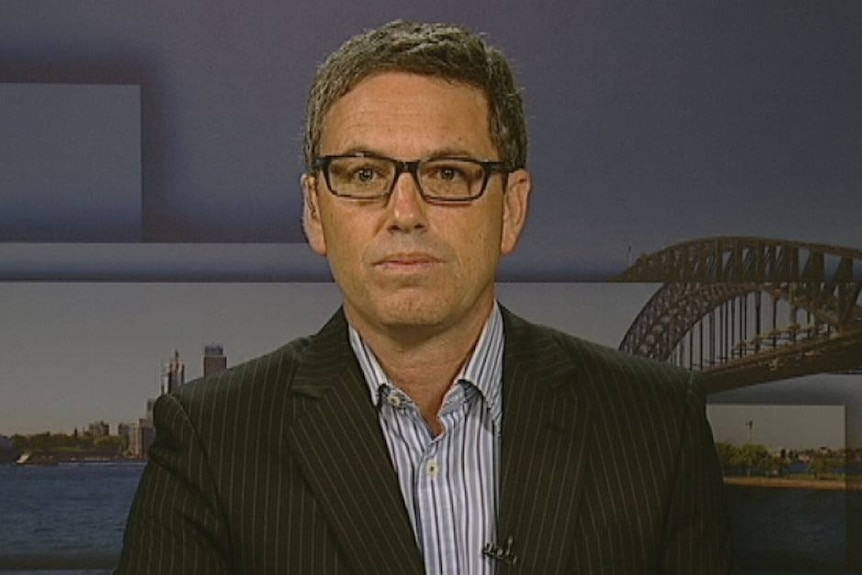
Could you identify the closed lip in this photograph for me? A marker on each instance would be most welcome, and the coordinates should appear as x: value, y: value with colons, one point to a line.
x: 407, y: 259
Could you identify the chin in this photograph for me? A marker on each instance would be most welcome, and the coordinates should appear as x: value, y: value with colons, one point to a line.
x: 412, y: 312
x: 411, y: 318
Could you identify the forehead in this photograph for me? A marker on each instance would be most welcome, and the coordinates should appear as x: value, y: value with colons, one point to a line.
x: 410, y: 111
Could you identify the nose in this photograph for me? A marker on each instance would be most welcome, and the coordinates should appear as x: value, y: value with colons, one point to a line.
x: 406, y: 207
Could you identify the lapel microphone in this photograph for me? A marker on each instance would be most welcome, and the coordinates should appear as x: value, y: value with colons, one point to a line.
x: 504, y: 554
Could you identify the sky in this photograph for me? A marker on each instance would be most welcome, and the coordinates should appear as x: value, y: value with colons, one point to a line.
x: 72, y: 353
x: 824, y: 425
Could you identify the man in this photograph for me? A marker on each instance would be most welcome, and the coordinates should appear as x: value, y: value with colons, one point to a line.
x: 425, y: 429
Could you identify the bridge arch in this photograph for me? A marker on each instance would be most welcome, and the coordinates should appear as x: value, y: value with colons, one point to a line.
x: 746, y: 310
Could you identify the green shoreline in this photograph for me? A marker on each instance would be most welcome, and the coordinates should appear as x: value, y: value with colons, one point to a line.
x: 780, y: 482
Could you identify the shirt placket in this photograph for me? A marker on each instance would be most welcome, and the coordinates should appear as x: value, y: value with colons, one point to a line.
x: 436, y: 482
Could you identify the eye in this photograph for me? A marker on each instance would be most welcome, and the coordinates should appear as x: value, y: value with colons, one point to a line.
x: 359, y: 171
x: 364, y: 174
x: 448, y: 172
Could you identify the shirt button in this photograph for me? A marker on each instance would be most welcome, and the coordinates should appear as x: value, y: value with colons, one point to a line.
x: 432, y: 468
x: 394, y: 400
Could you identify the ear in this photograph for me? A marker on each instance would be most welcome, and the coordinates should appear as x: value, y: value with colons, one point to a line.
x: 311, y: 220
x: 516, y: 202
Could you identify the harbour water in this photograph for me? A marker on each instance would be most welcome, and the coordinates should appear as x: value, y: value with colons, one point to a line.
x: 789, y: 530
x: 68, y: 519
x: 64, y: 516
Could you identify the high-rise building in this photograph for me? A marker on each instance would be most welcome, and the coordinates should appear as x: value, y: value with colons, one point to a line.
x: 98, y: 429
x: 129, y: 432
x: 173, y: 374
x: 145, y: 437
x: 215, y: 360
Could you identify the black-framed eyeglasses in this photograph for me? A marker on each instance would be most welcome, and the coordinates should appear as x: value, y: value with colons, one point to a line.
x: 439, y: 179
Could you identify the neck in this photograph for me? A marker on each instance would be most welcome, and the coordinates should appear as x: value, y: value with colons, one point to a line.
x: 423, y: 362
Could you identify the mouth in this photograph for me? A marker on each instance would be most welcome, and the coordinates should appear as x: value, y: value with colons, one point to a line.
x: 406, y: 262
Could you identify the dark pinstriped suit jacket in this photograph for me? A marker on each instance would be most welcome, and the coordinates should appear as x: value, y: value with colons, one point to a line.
x: 279, y: 466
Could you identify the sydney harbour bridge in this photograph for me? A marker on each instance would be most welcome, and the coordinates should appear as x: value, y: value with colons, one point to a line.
x: 745, y: 310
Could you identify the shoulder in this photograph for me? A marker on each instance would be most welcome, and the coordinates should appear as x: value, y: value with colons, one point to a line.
x: 275, y: 367
x: 597, y: 370
x: 245, y: 407
x: 257, y: 389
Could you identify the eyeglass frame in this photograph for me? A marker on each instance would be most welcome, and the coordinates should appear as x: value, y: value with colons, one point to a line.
x: 489, y: 168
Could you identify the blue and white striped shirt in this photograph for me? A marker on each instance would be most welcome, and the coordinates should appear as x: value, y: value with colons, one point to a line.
x: 450, y: 483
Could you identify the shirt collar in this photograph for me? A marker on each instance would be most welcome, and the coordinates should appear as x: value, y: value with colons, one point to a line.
x: 483, y: 369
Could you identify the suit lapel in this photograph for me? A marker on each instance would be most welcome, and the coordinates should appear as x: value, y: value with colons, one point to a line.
x: 337, y: 440
x: 545, y: 430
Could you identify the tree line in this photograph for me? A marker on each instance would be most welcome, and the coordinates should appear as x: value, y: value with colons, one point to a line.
x: 71, y: 443
x: 755, y: 459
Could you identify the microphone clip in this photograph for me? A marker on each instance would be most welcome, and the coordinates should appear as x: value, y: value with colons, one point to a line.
x: 498, y: 553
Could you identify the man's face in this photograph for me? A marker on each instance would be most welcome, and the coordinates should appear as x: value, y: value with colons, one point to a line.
x: 400, y: 261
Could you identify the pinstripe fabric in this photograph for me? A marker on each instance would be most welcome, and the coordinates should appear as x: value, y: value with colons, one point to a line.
x: 449, y: 482
x: 608, y: 462
x: 279, y: 466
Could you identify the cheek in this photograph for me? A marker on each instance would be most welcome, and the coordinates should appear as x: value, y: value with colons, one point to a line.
x: 340, y: 229
x: 480, y: 249
x: 341, y: 247
x: 344, y: 249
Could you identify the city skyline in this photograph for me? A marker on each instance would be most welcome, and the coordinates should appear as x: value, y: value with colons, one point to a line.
x: 165, y: 386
